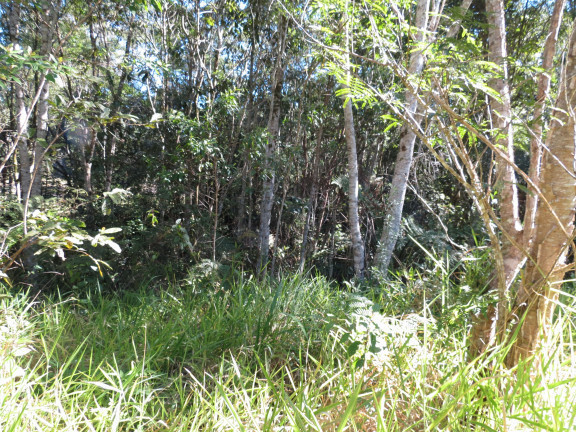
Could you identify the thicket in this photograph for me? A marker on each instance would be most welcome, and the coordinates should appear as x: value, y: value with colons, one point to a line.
x: 145, y: 147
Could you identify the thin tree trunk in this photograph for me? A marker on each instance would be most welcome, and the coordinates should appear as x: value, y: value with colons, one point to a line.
x: 278, y: 228
x: 113, y: 130
x: 20, y: 111
x: 46, y: 29
x: 216, y: 208
x: 271, y: 147
x: 537, y: 296
x: 311, y: 208
x: 332, y: 253
x: 487, y: 327
x: 455, y: 27
x: 353, y: 213
x: 397, y: 194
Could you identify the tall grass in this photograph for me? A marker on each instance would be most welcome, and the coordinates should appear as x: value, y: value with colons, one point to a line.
x: 293, y: 354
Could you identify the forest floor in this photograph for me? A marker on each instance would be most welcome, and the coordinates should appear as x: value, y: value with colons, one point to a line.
x: 294, y: 354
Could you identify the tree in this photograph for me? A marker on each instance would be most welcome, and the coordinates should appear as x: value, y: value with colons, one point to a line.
x: 271, y: 147
x: 353, y: 217
x: 553, y: 231
x: 395, y: 199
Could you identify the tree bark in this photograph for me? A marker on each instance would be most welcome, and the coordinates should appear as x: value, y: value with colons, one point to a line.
x: 497, y: 319
x: 353, y: 188
x: 501, y: 113
x: 21, y: 112
x: 397, y: 194
x: 112, y: 132
x: 537, y: 125
x: 271, y: 147
x: 48, y: 19
x: 537, y: 297
x: 313, y: 198
x: 353, y: 212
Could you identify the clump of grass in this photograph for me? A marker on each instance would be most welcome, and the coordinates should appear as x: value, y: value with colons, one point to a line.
x: 288, y: 354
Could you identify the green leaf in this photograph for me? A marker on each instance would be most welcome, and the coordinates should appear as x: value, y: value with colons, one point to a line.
x: 353, y: 348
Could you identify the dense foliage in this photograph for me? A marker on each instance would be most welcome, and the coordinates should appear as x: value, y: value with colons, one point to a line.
x: 281, y: 215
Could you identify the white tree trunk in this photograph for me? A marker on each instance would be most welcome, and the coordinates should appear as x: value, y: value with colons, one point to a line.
x: 47, y: 24
x: 501, y: 113
x: 397, y: 194
x: 20, y: 109
x: 353, y: 211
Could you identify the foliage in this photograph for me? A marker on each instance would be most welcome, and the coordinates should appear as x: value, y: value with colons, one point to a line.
x: 250, y: 356
x: 49, y: 234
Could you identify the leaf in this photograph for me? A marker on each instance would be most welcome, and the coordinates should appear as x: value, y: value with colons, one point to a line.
x: 22, y: 351
x: 110, y: 230
x: 60, y: 253
x: 104, y: 386
x: 157, y: 4
x: 114, y: 246
x: 353, y: 348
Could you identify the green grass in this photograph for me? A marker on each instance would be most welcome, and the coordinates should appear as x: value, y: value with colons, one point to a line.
x: 294, y: 354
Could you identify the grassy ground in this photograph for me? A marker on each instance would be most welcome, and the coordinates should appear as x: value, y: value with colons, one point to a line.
x: 294, y: 354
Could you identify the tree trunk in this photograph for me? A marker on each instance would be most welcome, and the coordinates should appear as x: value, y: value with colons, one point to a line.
x: 501, y: 113
x: 537, y: 125
x: 553, y: 232
x: 48, y: 19
x: 397, y: 194
x: 271, y: 147
x: 112, y: 132
x: 311, y: 208
x: 353, y: 213
x: 278, y: 228
x: 20, y: 111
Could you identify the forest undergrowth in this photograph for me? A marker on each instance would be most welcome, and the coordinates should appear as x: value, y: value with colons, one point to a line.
x: 292, y: 354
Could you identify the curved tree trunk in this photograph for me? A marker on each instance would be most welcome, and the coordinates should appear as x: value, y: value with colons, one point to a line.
x: 397, y: 194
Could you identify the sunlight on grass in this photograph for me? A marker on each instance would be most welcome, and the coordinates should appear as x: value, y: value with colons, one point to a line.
x: 293, y: 354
